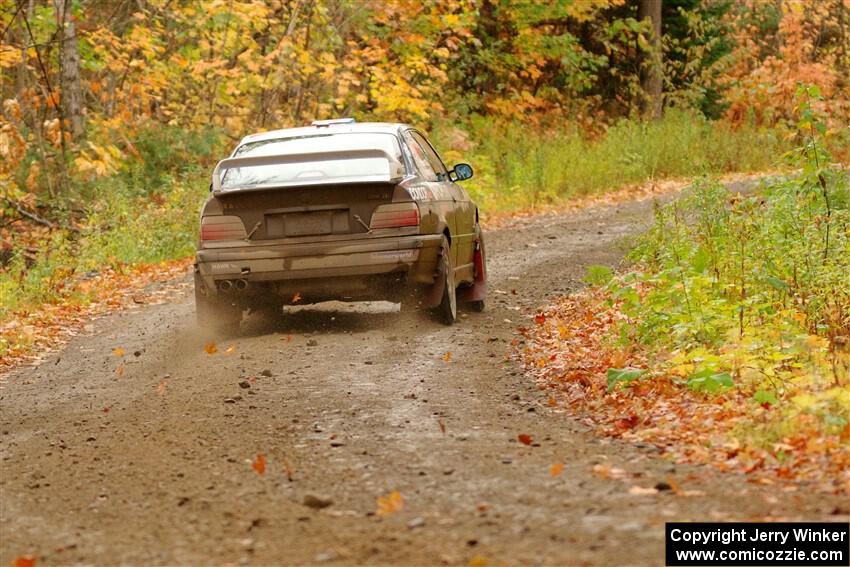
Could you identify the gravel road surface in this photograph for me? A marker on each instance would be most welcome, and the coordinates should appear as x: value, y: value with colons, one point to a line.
x: 154, y: 466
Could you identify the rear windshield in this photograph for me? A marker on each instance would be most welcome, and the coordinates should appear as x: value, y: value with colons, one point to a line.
x: 313, y: 170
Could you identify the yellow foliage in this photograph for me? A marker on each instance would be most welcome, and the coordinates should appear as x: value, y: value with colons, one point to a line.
x: 9, y: 56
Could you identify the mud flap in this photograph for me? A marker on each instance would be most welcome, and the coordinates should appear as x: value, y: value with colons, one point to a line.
x: 434, y: 294
x: 478, y: 290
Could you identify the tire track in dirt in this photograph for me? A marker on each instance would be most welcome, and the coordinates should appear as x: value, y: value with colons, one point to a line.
x: 353, y: 407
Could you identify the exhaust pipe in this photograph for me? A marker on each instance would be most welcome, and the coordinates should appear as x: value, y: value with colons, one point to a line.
x: 225, y: 286
x: 241, y: 285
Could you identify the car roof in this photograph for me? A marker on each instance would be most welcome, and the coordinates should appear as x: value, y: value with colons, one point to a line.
x: 348, y: 128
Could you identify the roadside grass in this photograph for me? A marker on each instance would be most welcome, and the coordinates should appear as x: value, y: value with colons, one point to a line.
x: 144, y: 213
x: 728, y: 340
x: 520, y: 168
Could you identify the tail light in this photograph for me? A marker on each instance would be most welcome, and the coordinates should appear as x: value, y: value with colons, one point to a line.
x: 222, y: 227
x: 395, y: 215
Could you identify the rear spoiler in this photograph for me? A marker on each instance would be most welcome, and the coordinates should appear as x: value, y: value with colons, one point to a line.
x: 396, y: 168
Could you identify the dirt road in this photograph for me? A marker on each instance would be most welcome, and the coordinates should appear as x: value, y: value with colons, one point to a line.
x: 154, y: 466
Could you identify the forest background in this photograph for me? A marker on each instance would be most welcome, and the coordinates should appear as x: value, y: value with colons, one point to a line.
x: 113, y: 112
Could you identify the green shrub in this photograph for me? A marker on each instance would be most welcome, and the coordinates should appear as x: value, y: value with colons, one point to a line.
x: 752, y: 291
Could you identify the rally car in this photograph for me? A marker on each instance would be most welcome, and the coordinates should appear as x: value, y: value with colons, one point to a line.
x: 337, y: 210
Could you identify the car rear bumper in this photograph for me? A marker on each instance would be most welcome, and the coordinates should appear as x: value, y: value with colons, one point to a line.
x: 413, y: 255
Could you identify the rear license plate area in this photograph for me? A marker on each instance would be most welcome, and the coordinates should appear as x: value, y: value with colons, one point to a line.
x: 307, y: 224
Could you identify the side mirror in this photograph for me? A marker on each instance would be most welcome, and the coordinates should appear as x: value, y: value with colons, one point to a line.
x: 461, y: 172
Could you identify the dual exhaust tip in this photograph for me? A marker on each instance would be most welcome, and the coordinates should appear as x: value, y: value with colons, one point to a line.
x: 226, y: 286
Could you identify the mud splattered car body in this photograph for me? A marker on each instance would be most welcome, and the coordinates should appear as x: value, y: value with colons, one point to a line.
x: 337, y: 210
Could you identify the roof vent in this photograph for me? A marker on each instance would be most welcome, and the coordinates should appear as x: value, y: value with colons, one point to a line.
x: 326, y: 123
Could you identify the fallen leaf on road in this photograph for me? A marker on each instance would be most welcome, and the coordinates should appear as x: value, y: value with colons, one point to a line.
x: 608, y: 472
x: 552, y: 402
x: 296, y: 298
x: 540, y: 318
x: 160, y: 389
x: 118, y: 351
x: 119, y: 371
x: 674, y: 486
x: 25, y: 561
x: 448, y: 356
x: 106, y: 409
x: 230, y: 350
x: 259, y: 464
x: 390, y: 504
x: 210, y: 348
x: 524, y: 439
x: 479, y: 561
x: 442, y: 426
x: 556, y: 469
x: 627, y: 422
x: 289, y: 472
x: 639, y: 490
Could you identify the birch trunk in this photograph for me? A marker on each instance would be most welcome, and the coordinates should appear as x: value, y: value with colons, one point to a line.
x: 69, y: 69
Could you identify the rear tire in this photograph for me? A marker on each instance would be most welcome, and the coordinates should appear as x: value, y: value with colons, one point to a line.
x: 221, y: 317
x: 446, y: 311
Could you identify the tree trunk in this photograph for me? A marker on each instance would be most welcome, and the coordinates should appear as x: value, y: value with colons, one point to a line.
x: 69, y: 69
x: 22, y: 81
x: 653, y: 82
x: 843, y: 61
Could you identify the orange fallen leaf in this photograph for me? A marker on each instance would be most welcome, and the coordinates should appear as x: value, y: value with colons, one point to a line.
x: 230, y: 350
x: 552, y: 402
x: 479, y: 561
x: 627, y: 422
x: 674, y: 486
x: 390, y: 504
x: 210, y: 348
x: 556, y: 469
x: 524, y: 439
x: 448, y: 356
x: 259, y: 464
x: 161, y: 387
x: 118, y: 351
x: 289, y: 338
x: 540, y: 318
x: 24, y: 561
x: 296, y: 298
x: 120, y: 371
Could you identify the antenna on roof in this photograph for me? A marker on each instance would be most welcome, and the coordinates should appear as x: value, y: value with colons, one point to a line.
x: 326, y: 123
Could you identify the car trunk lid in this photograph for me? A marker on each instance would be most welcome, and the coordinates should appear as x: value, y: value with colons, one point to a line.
x: 312, y: 211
